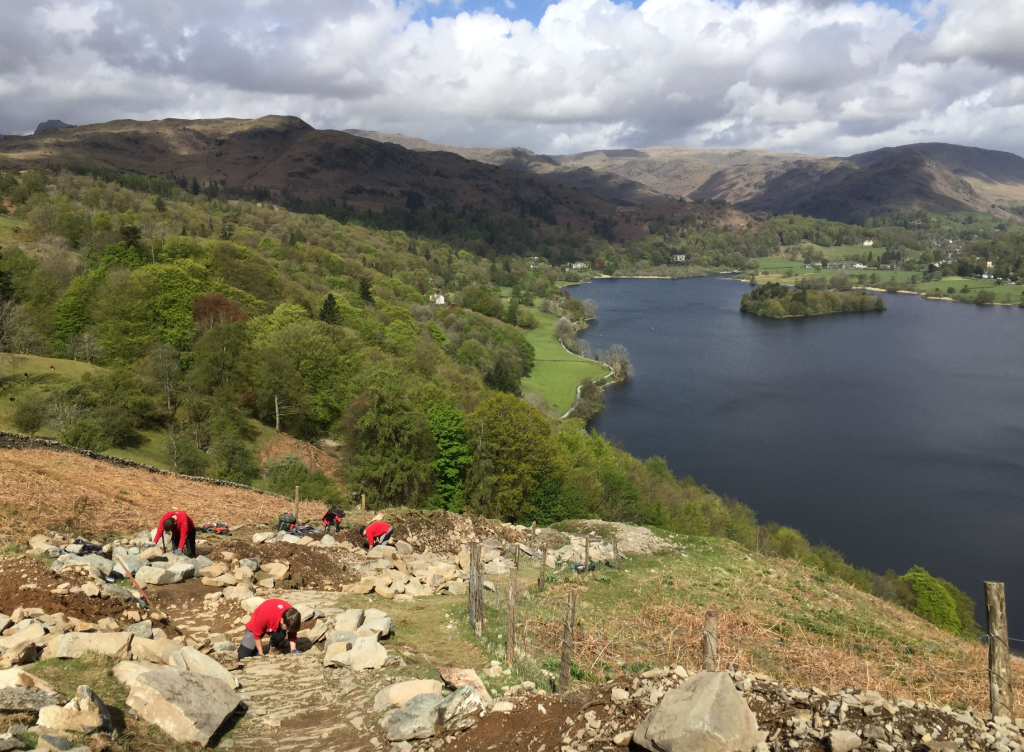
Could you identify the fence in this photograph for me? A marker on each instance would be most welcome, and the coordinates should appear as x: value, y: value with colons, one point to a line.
x: 544, y: 624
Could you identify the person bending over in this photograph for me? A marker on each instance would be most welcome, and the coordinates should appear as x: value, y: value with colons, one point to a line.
x: 276, y: 618
x: 332, y: 519
x: 182, y: 530
x: 378, y: 533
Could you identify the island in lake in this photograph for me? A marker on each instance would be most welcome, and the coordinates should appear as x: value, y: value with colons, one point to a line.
x: 776, y: 301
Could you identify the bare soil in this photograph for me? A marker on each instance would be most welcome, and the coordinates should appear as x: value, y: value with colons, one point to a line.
x: 20, y: 570
x: 310, y: 567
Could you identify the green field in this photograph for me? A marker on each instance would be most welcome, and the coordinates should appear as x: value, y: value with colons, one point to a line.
x: 556, y: 373
x: 10, y: 228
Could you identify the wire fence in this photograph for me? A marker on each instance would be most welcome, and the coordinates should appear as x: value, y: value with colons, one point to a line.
x: 606, y: 645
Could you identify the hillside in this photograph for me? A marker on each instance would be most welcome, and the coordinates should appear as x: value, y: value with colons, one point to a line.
x: 285, y: 154
x: 937, y: 178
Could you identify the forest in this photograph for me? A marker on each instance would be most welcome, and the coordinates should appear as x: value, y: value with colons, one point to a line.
x: 813, y: 296
x: 209, y: 322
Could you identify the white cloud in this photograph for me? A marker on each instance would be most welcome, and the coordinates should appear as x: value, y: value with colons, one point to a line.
x: 823, y: 76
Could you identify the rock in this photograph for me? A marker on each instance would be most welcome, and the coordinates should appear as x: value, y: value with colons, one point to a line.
x: 262, y: 537
x: 276, y: 569
x: 456, y: 587
x: 17, y: 677
x: 619, y: 695
x: 214, y: 570
x: 132, y: 563
x: 151, y: 553
x: 252, y: 564
x: 242, y: 591
x: 157, y: 576
x: 116, y: 645
x: 191, y: 660
x: 186, y: 570
x: 251, y: 604
x: 119, y: 593
x: 460, y: 710
x: 317, y: 633
x: 337, y: 635
x: 399, y: 694
x: 53, y: 743
x: 27, y: 699
x: 327, y: 541
x: 367, y: 653
x: 622, y: 740
x: 402, y: 548
x: 704, y: 713
x: 143, y: 629
x: 127, y: 672
x: 416, y: 720
x: 85, y: 714
x: 305, y: 612
x: 338, y: 654
x: 188, y: 707
x: 843, y: 741
x: 289, y: 538
x: 91, y: 589
x: 21, y: 652
x: 504, y: 706
x: 154, y: 651
x: 349, y: 620
x: 457, y: 678
x: 383, y: 627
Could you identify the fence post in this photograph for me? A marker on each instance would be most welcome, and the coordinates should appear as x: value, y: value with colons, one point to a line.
x: 543, y: 566
x: 296, y: 505
x: 515, y: 558
x: 568, y: 635
x: 586, y: 556
x: 362, y: 516
x: 710, y: 641
x: 474, y: 606
x: 615, y: 550
x: 533, y: 533
x: 1000, y: 687
x: 513, y: 593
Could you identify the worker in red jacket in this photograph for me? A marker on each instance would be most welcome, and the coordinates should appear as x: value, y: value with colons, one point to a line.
x: 377, y: 533
x: 182, y: 530
x: 271, y: 617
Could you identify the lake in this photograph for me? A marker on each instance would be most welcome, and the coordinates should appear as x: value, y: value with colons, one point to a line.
x: 896, y: 437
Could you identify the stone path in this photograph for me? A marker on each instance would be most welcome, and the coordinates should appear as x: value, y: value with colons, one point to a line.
x: 297, y: 705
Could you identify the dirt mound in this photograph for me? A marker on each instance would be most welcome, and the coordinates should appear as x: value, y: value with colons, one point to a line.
x: 19, y: 571
x: 444, y: 533
x: 42, y: 490
x: 310, y: 567
x: 633, y: 540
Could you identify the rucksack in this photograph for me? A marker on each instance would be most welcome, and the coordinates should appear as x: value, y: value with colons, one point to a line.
x: 285, y: 521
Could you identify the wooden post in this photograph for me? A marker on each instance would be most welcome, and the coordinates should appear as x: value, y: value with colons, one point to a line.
x: 568, y: 635
x: 513, y: 593
x: 710, y: 641
x: 362, y: 516
x: 515, y: 556
x: 476, y: 586
x: 533, y: 533
x: 615, y: 550
x: 543, y: 566
x: 1000, y: 687
x: 586, y: 556
x: 296, y: 505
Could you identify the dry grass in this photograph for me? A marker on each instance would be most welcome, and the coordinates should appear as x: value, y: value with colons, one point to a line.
x: 42, y: 490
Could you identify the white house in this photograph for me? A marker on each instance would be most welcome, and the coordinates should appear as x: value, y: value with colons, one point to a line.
x: 679, y: 257
x: 868, y: 243
x: 437, y: 298
x: 579, y: 265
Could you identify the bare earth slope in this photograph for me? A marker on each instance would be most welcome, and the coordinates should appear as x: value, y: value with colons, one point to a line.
x: 41, y: 490
x: 277, y: 152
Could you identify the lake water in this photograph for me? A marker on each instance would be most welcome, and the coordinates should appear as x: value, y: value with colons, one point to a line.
x: 896, y: 437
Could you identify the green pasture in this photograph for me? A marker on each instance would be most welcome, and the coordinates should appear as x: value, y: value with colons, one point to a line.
x: 10, y: 228
x: 556, y: 373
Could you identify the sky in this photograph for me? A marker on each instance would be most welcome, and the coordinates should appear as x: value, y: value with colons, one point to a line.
x: 832, y: 77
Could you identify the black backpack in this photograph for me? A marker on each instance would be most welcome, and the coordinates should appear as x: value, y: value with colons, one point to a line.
x: 285, y: 521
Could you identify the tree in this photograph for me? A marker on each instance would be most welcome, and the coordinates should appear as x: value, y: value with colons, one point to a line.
x: 329, y: 310
x: 565, y: 332
x: 30, y: 415
x: 213, y: 309
x: 504, y: 376
x: 278, y: 385
x: 591, y: 308
x: 163, y: 366
x: 186, y: 457
x: 618, y: 360
x: 448, y: 427
x: 934, y: 602
x: 514, y: 440
x: 195, y: 186
x: 366, y: 289
x: 511, y: 314
x: 392, y: 442
x: 236, y: 462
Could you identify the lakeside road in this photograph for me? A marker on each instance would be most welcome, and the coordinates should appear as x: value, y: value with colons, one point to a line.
x: 557, y: 373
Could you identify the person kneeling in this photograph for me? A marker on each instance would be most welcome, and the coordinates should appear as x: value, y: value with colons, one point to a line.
x: 276, y: 618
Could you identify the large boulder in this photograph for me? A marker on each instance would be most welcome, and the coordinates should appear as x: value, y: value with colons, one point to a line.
x: 27, y: 699
x: 116, y: 645
x: 127, y: 672
x: 400, y: 693
x: 154, y: 651
x: 191, y: 660
x: 459, y: 711
x: 381, y: 627
x: 18, y: 677
x: 188, y: 707
x: 367, y: 653
x: 276, y: 569
x: 85, y: 714
x: 705, y: 713
x: 457, y: 678
x: 262, y: 537
x: 157, y: 576
x: 349, y: 620
x: 338, y: 654
x: 416, y: 720
x: 132, y: 564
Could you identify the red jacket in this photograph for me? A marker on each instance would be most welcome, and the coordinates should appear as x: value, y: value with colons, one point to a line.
x: 375, y: 530
x: 185, y: 525
x: 267, y: 618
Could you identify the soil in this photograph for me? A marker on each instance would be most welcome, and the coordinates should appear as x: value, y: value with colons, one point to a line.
x: 20, y: 570
x: 310, y: 567
x: 43, y: 490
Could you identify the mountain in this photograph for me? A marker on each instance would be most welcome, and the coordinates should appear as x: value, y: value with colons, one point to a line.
x: 930, y: 177
x: 278, y: 153
x: 50, y: 125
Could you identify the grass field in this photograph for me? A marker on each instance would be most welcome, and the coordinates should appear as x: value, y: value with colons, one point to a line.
x: 10, y: 228
x: 556, y: 373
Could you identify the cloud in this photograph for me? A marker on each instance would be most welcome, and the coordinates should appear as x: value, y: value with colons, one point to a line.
x: 820, y: 76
